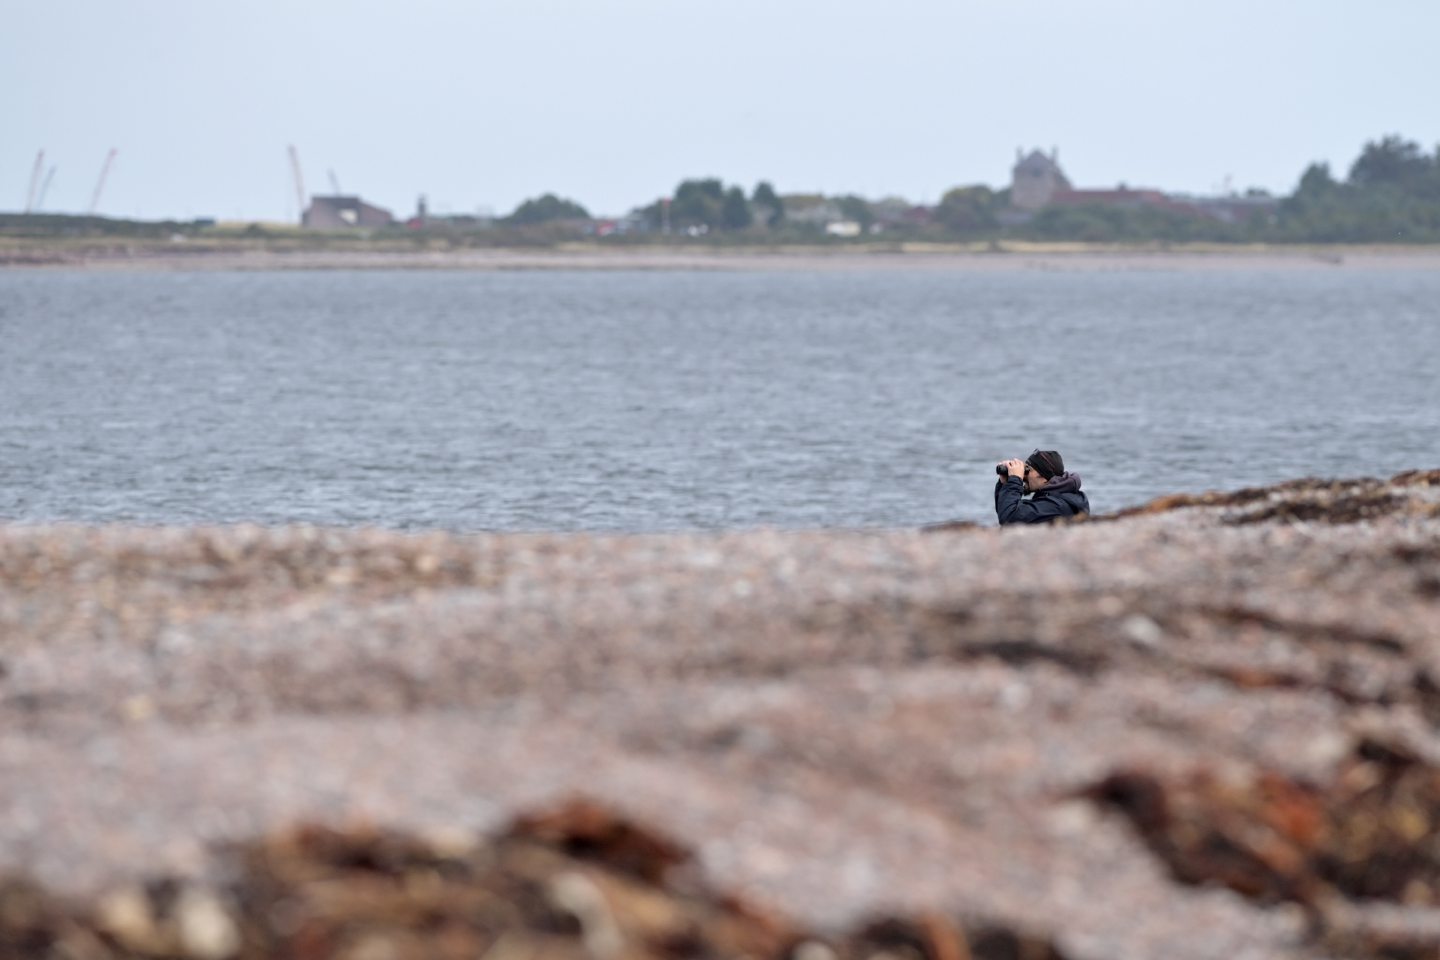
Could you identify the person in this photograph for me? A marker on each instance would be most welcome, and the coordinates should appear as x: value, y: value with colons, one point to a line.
x: 1056, y: 493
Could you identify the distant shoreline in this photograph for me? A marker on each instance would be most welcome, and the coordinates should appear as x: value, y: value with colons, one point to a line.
x: 27, y: 255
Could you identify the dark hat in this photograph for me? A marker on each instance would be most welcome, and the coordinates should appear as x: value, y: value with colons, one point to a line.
x: 1047, y: 463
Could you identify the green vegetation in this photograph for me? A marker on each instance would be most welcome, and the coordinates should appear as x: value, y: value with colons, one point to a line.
x: 968, y: 211
x: 770, y: 209
x: 1390, y: 194
x: 1108, y: 223
x: 547, y: 209
x: 50, y: 225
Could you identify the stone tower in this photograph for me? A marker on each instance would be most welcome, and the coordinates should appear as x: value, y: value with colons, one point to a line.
x: 1035, y: 179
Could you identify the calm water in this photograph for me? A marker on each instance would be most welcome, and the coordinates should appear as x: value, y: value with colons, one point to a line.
x: 655, y: 400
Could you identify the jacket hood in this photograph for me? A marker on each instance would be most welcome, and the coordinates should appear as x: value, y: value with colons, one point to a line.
x: 1064, y: 483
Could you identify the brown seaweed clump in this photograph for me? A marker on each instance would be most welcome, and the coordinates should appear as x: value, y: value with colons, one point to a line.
x: 574, y: 883
x: 1370, y: 837
x: 1307, y: 500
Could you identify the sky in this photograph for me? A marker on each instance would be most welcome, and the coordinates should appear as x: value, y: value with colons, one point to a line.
x: 480, y: 104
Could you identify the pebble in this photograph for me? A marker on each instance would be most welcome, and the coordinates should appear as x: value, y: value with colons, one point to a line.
x: 792, y: 704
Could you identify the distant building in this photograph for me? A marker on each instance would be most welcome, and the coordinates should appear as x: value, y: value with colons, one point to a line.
x: 340, y: 213
x: 811, y: 209
x: 1038, y: 182
x: 1232, y: 209
x: 1035, y: 179
x: 634, y: 222
x: 1121, y: 196
x: 893, y: 213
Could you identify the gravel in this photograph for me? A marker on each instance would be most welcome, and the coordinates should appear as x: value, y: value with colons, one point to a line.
x: 840, y: 725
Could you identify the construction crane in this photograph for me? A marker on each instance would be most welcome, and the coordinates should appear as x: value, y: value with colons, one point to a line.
x: 100, y: 184
x: 299, y: 181
x: 44, y: 189
x: 35, y: 181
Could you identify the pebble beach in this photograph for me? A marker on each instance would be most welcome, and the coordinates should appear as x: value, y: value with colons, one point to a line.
x: 1149, y: 734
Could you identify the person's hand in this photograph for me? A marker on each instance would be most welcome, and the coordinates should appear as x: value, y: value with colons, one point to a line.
x: 1016, y: 468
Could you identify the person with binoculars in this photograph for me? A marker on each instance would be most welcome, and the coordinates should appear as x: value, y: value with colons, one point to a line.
x: 1055, y: 493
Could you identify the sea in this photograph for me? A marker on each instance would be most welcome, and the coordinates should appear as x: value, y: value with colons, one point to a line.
x: 655, y: 400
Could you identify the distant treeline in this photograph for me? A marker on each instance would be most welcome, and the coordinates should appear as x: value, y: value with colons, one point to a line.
x: 1391, y: 194
x: 65, y: 225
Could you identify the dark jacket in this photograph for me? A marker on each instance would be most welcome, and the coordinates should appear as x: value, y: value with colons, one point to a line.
x: 1061, y: 497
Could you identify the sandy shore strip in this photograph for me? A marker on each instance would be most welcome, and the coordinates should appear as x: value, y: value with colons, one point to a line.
x: 931, y: 257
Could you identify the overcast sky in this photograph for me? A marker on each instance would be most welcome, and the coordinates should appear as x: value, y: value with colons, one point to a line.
x: 481, y: 103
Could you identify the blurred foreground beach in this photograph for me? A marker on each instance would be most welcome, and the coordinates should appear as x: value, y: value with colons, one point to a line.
x: 1205, y: 728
